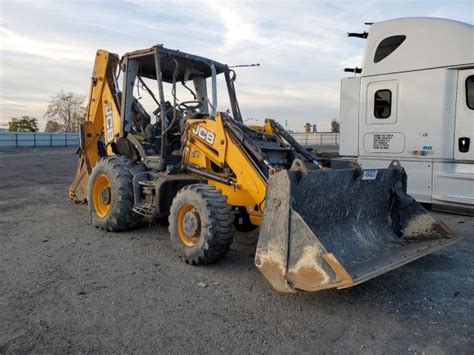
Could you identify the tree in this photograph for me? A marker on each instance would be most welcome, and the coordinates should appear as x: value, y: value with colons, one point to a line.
x: 23, y: 124
x: 67, y: 109
x: 307, y: 127
x: 53, y: 126
x: 335, y: 126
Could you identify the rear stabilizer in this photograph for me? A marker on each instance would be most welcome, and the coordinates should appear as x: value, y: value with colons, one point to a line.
x: 78, y: 190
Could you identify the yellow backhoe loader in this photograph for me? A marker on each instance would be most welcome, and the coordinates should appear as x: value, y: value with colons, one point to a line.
x: 159, y: 148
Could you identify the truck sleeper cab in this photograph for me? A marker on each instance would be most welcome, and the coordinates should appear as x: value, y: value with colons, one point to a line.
x: 414, y: 102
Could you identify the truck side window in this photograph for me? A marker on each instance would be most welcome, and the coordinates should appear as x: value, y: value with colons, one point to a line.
x: 470, y: 92
x: 382, y: 104
x: 387, y: 46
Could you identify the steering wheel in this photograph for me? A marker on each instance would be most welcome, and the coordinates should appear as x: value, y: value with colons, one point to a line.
x: 189, y: 105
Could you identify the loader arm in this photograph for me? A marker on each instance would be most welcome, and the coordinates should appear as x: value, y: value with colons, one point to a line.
x: 212, y: 151
x: 101, y: 123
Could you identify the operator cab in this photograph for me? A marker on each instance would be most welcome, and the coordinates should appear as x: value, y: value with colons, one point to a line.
x: 155, y: 107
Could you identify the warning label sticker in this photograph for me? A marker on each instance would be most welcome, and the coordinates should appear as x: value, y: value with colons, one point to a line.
x: 109, y: 123
x: 382, y: 141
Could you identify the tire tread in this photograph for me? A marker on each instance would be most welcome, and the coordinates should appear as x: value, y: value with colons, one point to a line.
x: 217, y: 224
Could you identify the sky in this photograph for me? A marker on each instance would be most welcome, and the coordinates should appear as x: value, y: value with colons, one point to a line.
x: 302, y: 46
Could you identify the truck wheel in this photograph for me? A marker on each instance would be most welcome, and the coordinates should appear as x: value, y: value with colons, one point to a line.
x: 200, y: 224
x: 242, y: 221
x: 110, y: 194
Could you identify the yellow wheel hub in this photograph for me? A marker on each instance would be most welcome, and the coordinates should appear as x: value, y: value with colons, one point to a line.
x: 189, y: 225
x: 102, y: 195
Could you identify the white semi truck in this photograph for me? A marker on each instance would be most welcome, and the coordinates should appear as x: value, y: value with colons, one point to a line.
x: 414, y: 102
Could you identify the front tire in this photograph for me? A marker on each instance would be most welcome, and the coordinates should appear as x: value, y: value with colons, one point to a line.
x: 110, y: 196
x: 200, y: 224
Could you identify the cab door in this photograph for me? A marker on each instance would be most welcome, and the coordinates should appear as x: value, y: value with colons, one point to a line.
x: 464, y: 132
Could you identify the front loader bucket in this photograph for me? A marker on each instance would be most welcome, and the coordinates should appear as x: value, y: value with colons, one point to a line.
x: 337, y: 228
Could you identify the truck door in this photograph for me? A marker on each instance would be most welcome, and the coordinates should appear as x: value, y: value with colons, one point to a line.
x: 464, y: 132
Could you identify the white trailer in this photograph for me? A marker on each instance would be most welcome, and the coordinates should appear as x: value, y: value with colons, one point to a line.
x: 414, y: 102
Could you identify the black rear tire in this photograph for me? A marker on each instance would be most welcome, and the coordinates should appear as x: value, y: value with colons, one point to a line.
x: 114, y: 211
x: 242, y: 221
x: 202, y: 234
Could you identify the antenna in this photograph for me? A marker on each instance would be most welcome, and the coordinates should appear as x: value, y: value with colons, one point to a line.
x: 244, y: 65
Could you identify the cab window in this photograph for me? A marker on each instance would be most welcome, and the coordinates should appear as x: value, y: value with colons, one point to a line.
x: 382, y: 104
x: 387, y: 46
x: 470, y: 92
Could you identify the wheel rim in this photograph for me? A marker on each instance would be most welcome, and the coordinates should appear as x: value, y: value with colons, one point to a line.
x: 102, y: 195
x: 189, y: 225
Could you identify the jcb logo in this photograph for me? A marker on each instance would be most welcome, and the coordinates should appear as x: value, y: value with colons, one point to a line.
x: 204, y: 134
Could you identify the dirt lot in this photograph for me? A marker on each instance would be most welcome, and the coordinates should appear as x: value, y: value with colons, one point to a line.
x: 68, y: 287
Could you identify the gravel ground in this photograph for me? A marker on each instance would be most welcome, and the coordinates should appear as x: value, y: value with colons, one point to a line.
x: 68, y: 287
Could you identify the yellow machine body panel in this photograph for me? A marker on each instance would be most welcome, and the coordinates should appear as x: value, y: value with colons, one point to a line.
x: 211, y: 148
